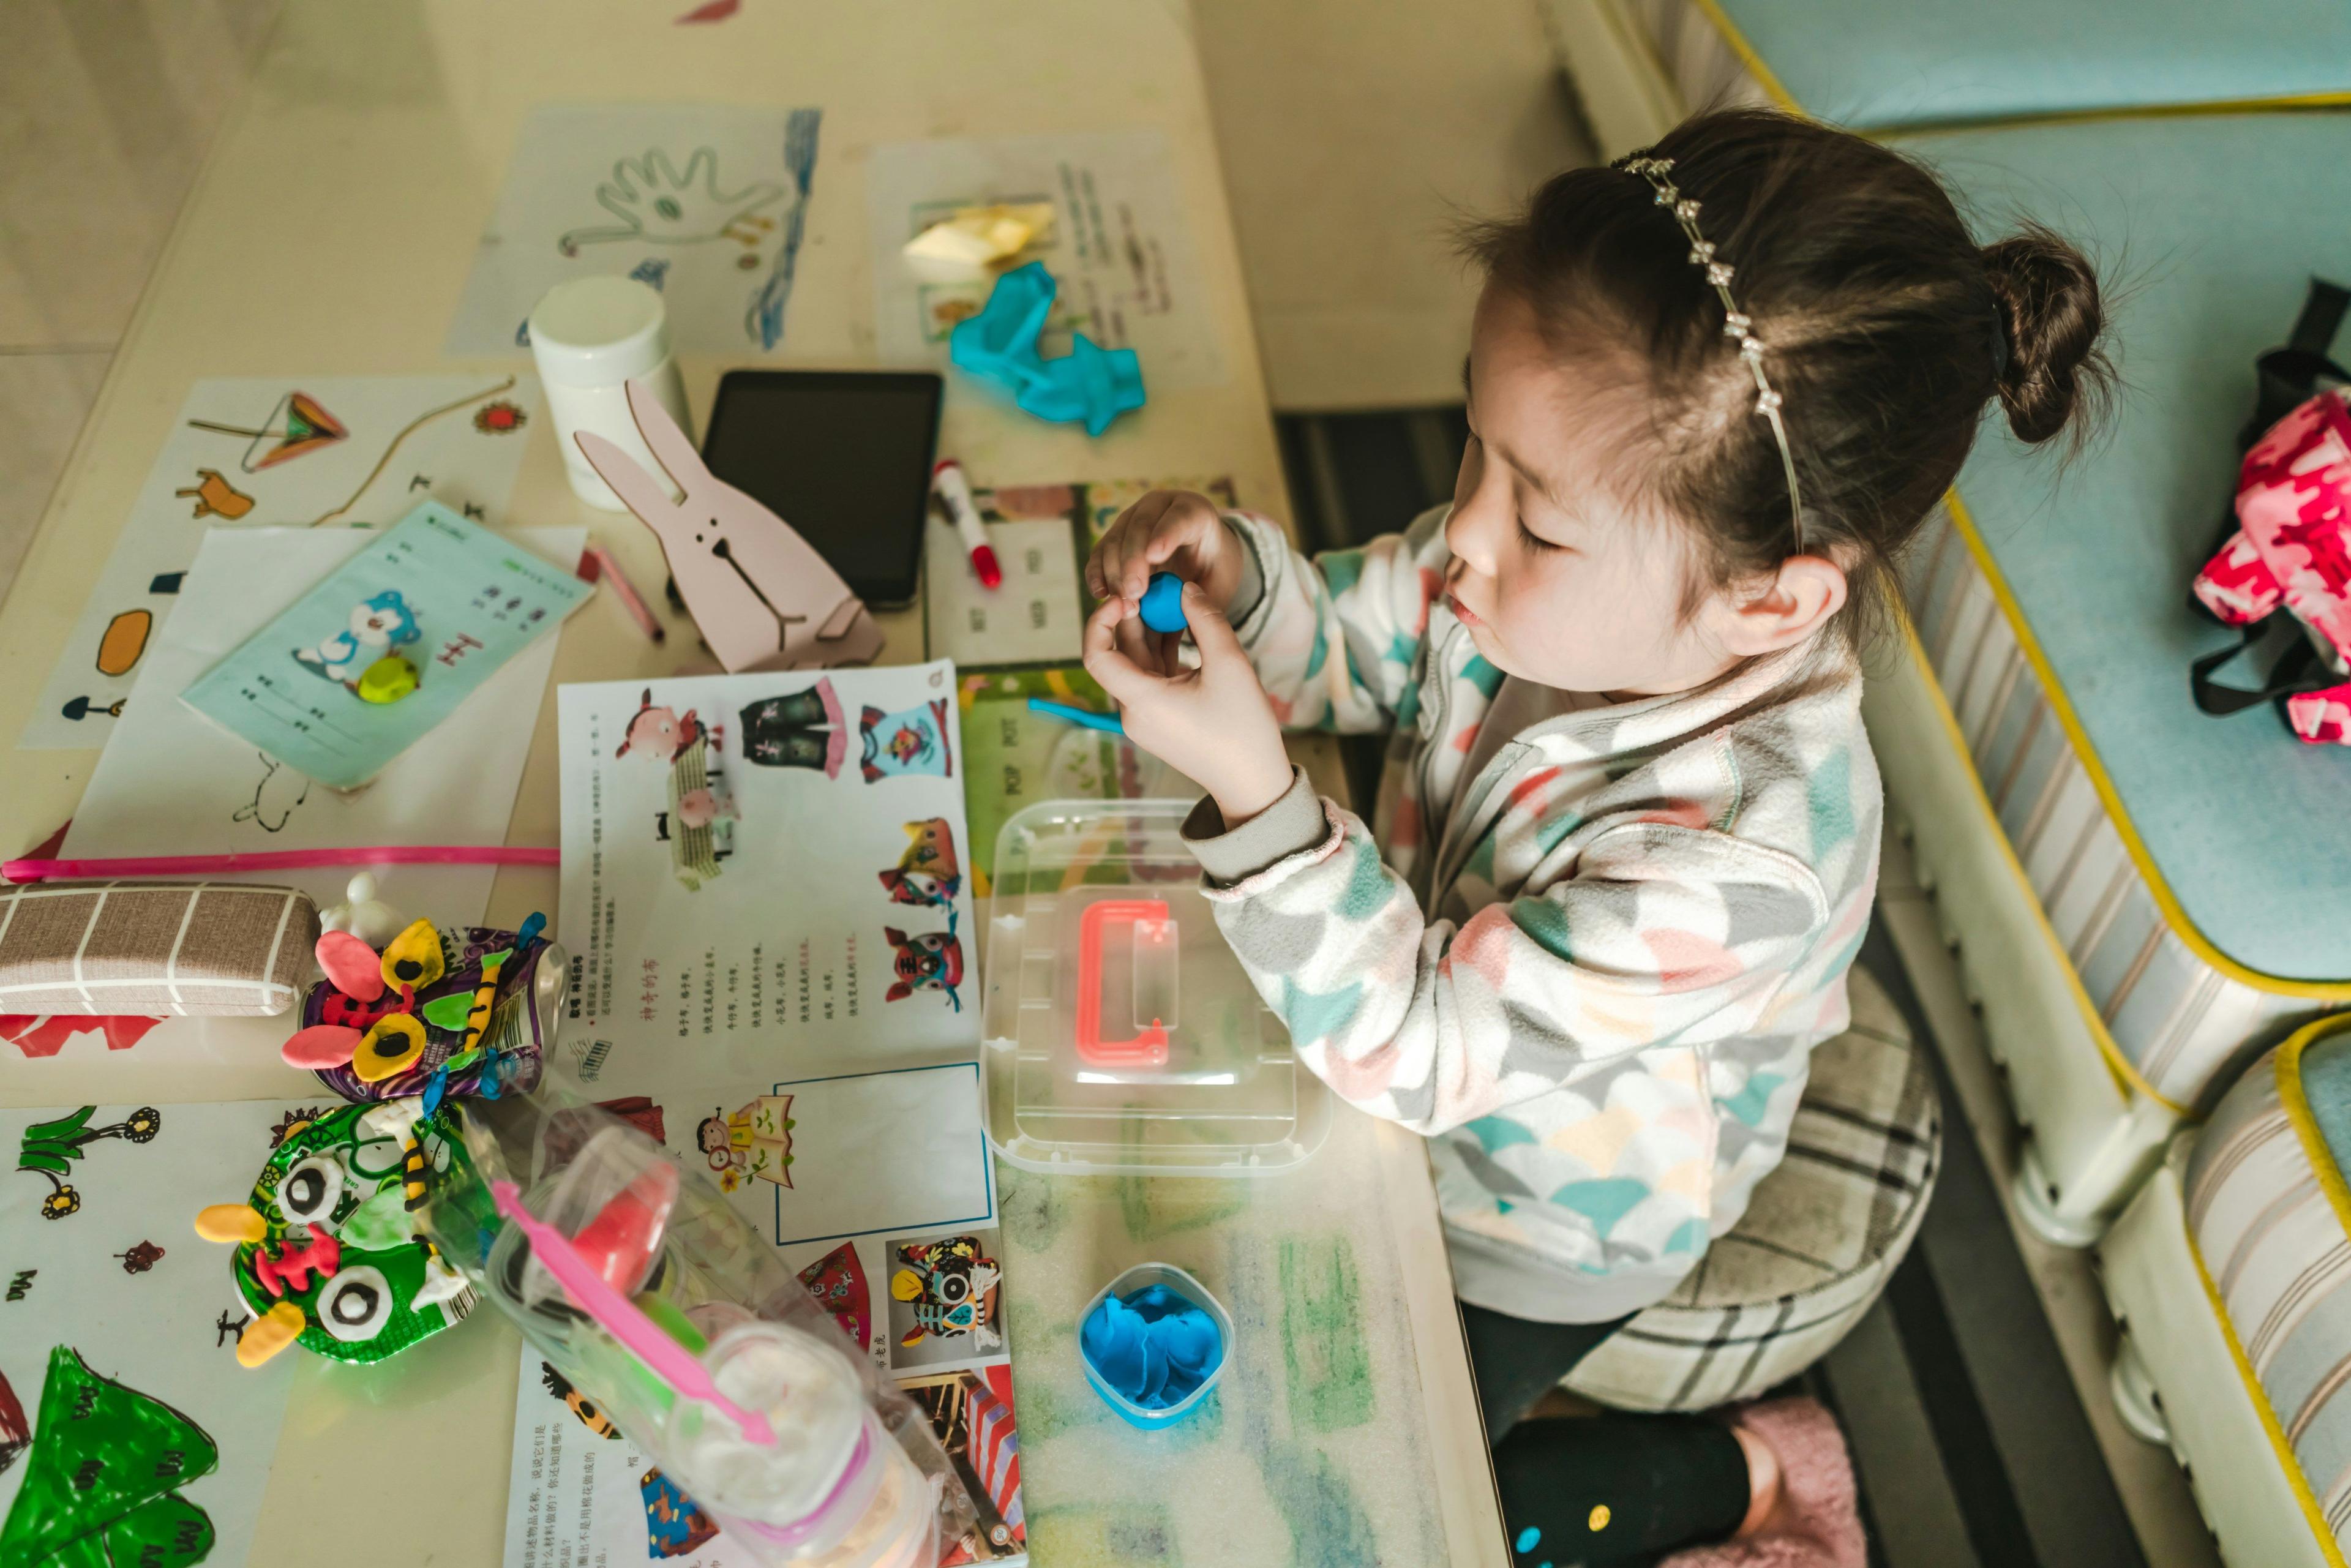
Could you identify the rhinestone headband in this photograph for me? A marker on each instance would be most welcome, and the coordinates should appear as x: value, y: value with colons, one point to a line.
x: 1735, y: 323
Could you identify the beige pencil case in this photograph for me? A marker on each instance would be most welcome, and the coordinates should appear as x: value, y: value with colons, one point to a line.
x: 153, y: 948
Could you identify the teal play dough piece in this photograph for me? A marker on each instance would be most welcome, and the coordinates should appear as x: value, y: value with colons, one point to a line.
x: 1153, y: 1347
x: 1089, y: 383
x: 1163, y: 603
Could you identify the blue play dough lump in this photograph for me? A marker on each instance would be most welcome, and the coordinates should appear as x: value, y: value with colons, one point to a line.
x: 1152, y: 1346
x: 1163, y: 603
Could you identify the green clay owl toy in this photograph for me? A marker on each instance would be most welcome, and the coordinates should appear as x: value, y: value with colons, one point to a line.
x: 328, y: 1249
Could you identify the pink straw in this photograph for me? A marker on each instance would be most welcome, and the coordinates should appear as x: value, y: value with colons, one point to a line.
x: 275, y: 860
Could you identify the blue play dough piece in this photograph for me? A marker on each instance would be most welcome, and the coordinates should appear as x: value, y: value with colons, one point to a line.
x: 1089, y: 383
x: 1163, y: 603
x: 1153, y: 1347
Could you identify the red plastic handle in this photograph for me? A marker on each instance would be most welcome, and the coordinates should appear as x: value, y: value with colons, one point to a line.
x: 1148, y: 1048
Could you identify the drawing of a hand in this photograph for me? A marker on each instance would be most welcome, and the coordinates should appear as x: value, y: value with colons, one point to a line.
x: 658, y: 206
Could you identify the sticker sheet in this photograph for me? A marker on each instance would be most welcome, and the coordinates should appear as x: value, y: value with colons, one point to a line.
x: 128, y: 1431
x: 922, y: 1294
x: 762, y: 869
x: 442, y: 602
x: 300, y: 452
x: 706, y: 203
x: 172, y: 782
x: 1119, y: 248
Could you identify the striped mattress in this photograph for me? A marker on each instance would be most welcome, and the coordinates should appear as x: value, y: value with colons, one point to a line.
x: 2176, y: 1017
x: 2270, y: 1222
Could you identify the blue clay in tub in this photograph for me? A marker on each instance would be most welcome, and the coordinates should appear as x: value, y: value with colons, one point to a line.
x: 1151, y: 1349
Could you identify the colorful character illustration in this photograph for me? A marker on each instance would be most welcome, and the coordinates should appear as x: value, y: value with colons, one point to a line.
x: 806, y: 729
x: 45, y: 1034
x: 103, y: 1481
x: 380, y: 624
x: 327, y: 1252
x: 932, y: 961
x: 837, y: 1281
x: 699, y: 826
x: 658, y: 206
x: 141, y: 1258
x: 911, y: 742
x: 755, y: 1140
x: 674, y: 1522
x: 435, y: 1012
x: 296, y: 425
x: 274, y: 798
x: 950, y: 1291
x: 928, y: 873
x: 971, y: 1411
x: 48, y: 1150
x: 215, y: 497
x: 591, y: 1414
x: 659, y: 732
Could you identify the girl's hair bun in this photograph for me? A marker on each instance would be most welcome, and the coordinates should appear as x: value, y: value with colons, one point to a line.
x: 2057, y: 376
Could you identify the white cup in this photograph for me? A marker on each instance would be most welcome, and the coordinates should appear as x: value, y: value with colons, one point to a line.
x: 592, y: 337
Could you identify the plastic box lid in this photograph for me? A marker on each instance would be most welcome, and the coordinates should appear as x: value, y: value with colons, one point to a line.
x: 1120, y: 1032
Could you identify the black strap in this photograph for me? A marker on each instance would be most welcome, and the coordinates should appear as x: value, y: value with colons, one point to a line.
x: 2293, y: 674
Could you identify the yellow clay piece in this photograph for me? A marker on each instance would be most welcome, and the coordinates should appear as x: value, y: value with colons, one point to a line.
x: 413, y: 957
x: 230, y: 1222
x: 387, y: 680
x: 391, y: 1045
x: 267, y: 1334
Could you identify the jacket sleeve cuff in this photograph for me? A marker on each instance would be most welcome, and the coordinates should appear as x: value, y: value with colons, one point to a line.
x: 1250, y: 596
x: 1294, y: 825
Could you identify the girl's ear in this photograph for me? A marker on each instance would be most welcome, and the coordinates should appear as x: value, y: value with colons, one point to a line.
x: 1782, y: 611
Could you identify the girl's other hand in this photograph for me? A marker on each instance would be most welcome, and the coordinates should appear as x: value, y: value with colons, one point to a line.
x: 1212, y: 723
x: 1167, y: 530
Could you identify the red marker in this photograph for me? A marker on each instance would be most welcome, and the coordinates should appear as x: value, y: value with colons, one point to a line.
x: 947, y: 479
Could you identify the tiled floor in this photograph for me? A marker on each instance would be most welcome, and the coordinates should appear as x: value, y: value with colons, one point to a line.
x: 106, y: 110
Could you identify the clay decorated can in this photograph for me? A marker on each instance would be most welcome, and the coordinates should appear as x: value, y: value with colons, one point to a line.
x: 328, y: 1254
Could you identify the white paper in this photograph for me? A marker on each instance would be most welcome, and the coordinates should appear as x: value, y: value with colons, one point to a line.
x: 122, y: 1280
x: 1035, y: 616
x: 849, y: 859
x: 579, y: 1495
x: 457, y: 440
x: 171, y: 782
x: 1119, y: 248
x: 706, y: 203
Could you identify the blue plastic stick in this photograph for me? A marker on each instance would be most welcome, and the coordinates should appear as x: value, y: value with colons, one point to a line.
x: 1106, y: 722
x: 1162, y: 606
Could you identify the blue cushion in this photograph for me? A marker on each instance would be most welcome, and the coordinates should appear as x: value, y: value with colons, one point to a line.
x: 2208, y: 229
x: 1888, y: 63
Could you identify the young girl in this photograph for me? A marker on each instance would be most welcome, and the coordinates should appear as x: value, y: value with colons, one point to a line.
x: 1627, y: 842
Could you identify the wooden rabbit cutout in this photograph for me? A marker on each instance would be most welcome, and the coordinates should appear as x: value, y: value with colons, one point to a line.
x: 762, y: 597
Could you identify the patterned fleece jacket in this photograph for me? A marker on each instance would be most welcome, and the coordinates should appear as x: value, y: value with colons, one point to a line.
x: 1593, y: 973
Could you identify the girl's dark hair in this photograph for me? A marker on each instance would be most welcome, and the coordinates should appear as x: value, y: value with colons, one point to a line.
x: 1887, y: 329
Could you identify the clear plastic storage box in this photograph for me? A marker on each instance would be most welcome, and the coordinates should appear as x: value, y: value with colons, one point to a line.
x: 1121, y: 1032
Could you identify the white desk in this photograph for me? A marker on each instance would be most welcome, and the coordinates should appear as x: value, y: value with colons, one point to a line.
x: 331, y: 232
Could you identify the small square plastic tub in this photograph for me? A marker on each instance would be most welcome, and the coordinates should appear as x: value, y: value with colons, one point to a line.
x: 1192, y: 1290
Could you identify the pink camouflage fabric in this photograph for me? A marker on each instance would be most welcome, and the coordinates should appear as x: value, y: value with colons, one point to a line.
x: 1593, y: 973
x: 2292, y: 548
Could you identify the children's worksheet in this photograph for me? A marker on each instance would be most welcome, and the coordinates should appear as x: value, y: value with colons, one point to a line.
x: 1118, y: 247
x: 705, y: 201
x: 172, y: 782
x: 878, y: 1191
x: 300, y: 452
x: 367, y: 662
x: 766, y: 869
x: 128, y: 1431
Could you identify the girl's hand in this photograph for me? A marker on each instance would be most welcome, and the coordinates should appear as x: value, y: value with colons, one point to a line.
x: 1212, y: 723
x: 1167, y: 530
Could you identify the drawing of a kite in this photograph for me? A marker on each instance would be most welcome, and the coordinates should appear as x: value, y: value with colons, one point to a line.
x: 297, y: 424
